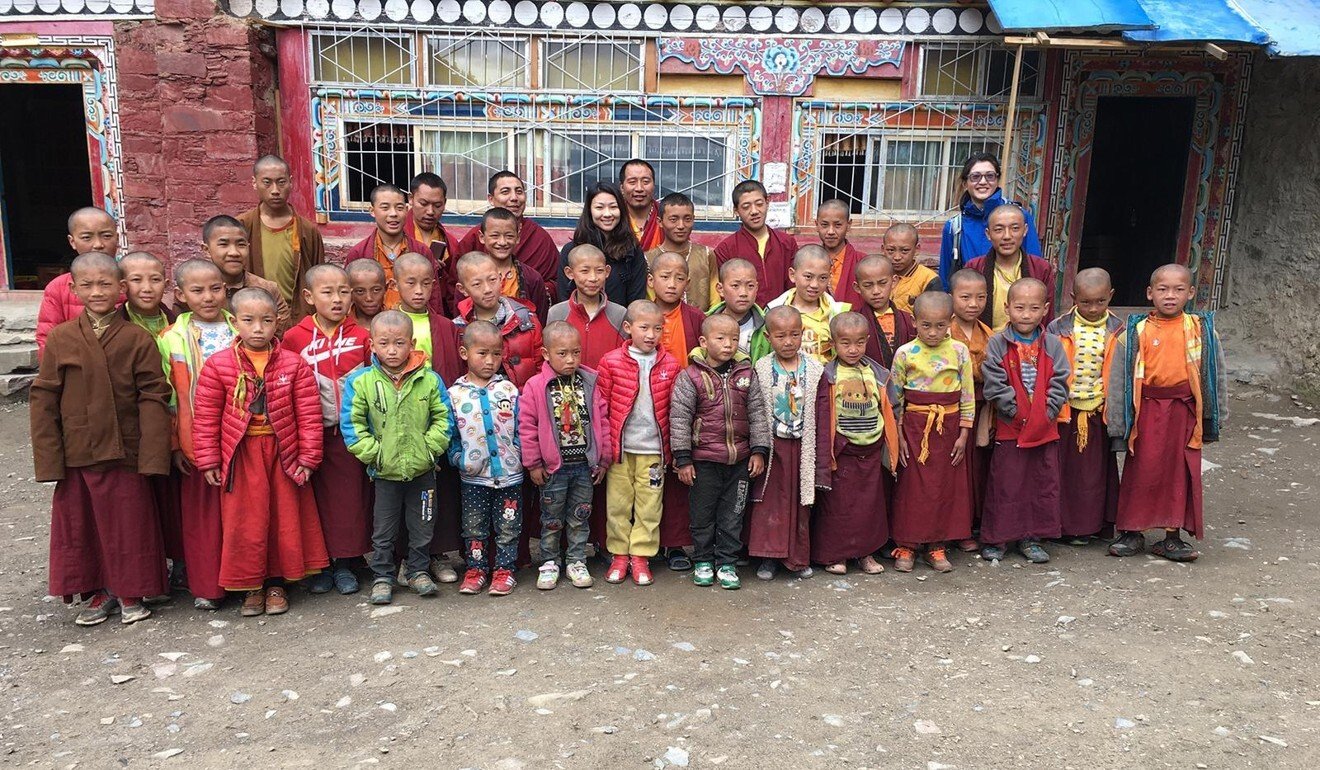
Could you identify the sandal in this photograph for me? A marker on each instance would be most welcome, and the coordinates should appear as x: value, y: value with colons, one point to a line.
x: 1175, y: 549
x: 870, y: 566
x: 678, y: 560
x: 837, y: 569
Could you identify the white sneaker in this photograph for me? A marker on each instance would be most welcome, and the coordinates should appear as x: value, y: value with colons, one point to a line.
x: 547, y: 576
x: 577, y: 572
x: 444, y: 572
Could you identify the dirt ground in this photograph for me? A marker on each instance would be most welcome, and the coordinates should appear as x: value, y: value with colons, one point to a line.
x: 1086, y: 662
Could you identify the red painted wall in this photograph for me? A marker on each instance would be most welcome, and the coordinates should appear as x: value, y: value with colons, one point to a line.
x: 197, y: 107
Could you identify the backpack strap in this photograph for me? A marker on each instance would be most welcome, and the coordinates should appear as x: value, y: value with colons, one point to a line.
x: 957, y: 243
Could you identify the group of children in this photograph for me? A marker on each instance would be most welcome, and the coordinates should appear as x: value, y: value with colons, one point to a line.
x: 828, y: 408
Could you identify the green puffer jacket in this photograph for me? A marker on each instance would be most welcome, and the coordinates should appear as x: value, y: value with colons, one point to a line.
x: 399, y: 433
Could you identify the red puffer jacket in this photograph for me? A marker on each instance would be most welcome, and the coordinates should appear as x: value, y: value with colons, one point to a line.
x: 522, y: 338
x: 293, y: 406
x: 617, y: 388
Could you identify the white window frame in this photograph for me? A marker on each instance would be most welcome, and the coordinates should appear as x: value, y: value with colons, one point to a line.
x: 637, y: 44
x: 313, y: 52
x: 517, y: 41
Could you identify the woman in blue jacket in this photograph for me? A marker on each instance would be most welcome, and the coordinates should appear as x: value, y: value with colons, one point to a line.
x: 964, y: 237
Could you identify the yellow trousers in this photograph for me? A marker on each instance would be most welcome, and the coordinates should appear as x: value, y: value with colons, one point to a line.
x: 634, y: 490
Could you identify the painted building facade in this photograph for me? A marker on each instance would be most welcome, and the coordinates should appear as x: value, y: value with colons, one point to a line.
x: 874, y: 103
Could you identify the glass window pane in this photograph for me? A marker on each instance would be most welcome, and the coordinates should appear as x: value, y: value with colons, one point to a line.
x: 576, y: 161
x: 950, y: 71
x: 362, y: 58
x: 376, y: 153
x: 842, y: 170
x: 478, y: 62
x: 694, y: 165
x: 467, y: 159
x: 592, y: 66
x: 999, y: 73
x: 911, y: 175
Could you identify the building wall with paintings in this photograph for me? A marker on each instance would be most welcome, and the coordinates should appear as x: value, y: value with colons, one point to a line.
x: 876, y: 104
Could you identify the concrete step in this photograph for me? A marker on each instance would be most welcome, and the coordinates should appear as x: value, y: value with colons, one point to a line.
x: 15, y: 358
x: 15, y: 386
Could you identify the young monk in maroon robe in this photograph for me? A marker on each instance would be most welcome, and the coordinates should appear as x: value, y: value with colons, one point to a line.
x: 1089, y: 333
x: 203, y: 331
x: 100, y: 427
x: 780, y: 529
x: 833, y: 221
x: 332, y: 345
x: 1164, y: 402
x: 769, y: 250
x: 258, y: 418
x: 535, y: 249
x: 855, y: 425
x: 969, y: 290
x: 932, y: 390
x: 891, y: 327
x: 1026, y: 381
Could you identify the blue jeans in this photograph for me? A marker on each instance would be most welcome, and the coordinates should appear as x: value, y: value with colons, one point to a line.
x: 566, y: 507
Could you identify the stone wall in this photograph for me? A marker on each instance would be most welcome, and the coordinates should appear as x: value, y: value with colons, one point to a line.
x: 197, y: 107
x: 1271, y: 316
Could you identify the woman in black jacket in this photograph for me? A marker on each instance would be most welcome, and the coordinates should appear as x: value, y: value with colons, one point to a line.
x: 604, y: 225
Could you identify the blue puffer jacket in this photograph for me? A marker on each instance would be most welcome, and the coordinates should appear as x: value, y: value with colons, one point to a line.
x: 974, y: 242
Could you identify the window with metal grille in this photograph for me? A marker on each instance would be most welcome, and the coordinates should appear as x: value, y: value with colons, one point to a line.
x: 976, y: 71
x: 477, y: 60
x: 901, y: 161
x: 586, y: 64
x: 374, y: 154
x: 359, y: 58
x: 467, y: 157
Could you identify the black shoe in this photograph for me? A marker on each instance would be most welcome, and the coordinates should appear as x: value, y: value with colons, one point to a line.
x: 1128, y: 544
x: 678, y: 560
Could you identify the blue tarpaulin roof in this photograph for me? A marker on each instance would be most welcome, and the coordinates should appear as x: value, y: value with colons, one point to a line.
x: 1149, y: 21
x: 1197, y: 20
x: 1293, y: 25
x: 1070, y: 15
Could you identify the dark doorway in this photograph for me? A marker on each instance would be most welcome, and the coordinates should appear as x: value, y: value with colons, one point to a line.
x: 45, y: 177
x: 1134, y: 197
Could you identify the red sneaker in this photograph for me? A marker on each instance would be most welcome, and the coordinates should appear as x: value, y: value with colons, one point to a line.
x: 502, y: 584
x: 473, y: 581
x: 618, y: 569
x: 641, y: 570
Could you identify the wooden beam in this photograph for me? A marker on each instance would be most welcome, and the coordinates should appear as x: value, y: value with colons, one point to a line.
x: 1043, y: 40
x: 1216, y: 51
x: 1006, y: 153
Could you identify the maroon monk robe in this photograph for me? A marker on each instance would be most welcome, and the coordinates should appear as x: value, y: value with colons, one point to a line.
x: 202, y: 530
x: 1161, y: 486
x: 535, y: 249
x: 780, y: 526
x: 676, y: 516
x: 1090, y: 492
x: 772, y: 270
x: 165, y: 489
x: 271, y: 528
x: 105, y: 535
x: 852, y: 517
x: 932, y: 499
x: 846, y: 289
x: 877, y: 344
x: 344, y: 499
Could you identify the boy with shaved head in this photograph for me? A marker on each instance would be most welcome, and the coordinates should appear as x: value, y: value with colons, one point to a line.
x: 535, y: 248
x: 891, y: 328
x: 1026, y: 381
x: 90, y: 229
x: 810, y: 276
x: 833, y: 221
x: 390, y: 240
x: 1089, y: 333
x: 1006, y: 262
x: 100, y: 427
x: 226, y: 244
x: 205, y: 329
x: 720, y: 439
x: 856, y: 428
x: 283, y: 244
x: 1166, y: 398
x: 400, y: 439
x: 911, y: 278
x: 935, y: 404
